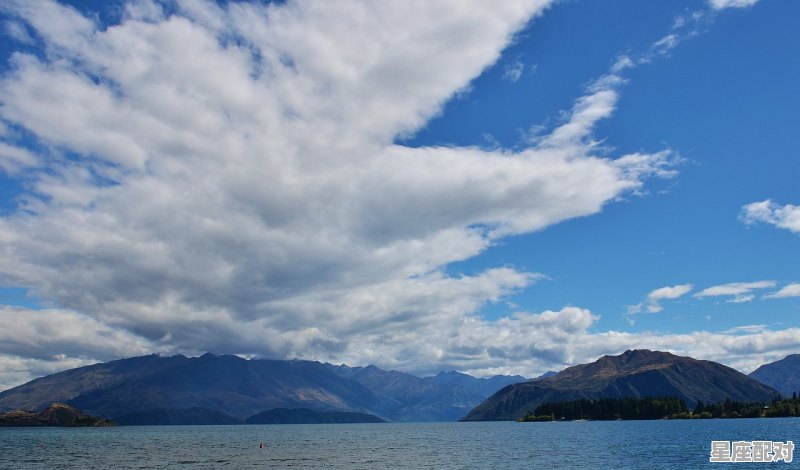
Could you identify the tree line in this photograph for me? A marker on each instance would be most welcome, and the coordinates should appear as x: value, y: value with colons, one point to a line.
x: 778, y: 408
x: 660, y: 408
x: 608, y: 409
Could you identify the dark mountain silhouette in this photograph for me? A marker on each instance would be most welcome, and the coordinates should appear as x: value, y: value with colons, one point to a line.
x: 57, y: 414
x: 783, y: 375
x: 638, y: 373
x: 306, y: 416
x: 161, y: 390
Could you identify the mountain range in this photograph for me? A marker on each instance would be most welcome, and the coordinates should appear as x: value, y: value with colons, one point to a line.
x: 165, y: 389
x: 213, y: 389
x: 638, y: 373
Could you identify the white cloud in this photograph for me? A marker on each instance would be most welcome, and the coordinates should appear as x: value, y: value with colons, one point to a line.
x: 768, y: 212
x: 13, y: 159
x: 599, y: 104
x: 740, y: 299
x: 38, y: 333
x: 639, y: 166
x: 18, y: 32
x: 513, y: 71
x: 226, y: 179
x: 623, y: 62
x: 145, y: 10
x: 653, y: 302
x: 672, y: 292
x: 60, y: 26
x: 737, y: 289
x: 722, y: 4
x: 789, y: 290
x: 665, y: 44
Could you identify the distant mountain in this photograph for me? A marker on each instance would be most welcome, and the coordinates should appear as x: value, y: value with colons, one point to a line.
x: 165, y: 389
x: 447, y: 396
x: 783, y: 375
x: 306, y: 416
x: 481, y: 386
x: 57, y: 414
x: 164, y: 416
x: 637, y: 373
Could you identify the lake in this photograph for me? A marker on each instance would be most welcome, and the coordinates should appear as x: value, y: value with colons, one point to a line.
x: 675, y: 444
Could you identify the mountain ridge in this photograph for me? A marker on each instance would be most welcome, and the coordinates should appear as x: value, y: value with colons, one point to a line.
x: 634, y: 373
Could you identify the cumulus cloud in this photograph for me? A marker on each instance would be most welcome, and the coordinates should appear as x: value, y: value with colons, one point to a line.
x: 769, y: 212
x: 227, y: 178
x: 652, y: 304
x: 740, y: 291
x: 790, y: 290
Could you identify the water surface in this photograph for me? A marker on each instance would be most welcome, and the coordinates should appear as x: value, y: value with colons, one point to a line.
x: 595, y: 444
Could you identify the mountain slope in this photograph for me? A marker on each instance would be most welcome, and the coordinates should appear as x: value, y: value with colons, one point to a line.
x: 783, y: 375
x: 637, y: 373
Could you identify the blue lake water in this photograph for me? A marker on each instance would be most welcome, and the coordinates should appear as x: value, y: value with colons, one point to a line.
x: 606, y: 444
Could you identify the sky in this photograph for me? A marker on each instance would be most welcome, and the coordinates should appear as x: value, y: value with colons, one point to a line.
x: 492, y: 187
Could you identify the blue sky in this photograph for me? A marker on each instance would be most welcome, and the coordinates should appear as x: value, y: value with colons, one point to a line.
x: 725, y: 100
x: 448, y: 185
